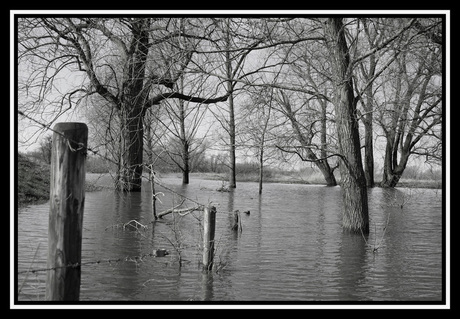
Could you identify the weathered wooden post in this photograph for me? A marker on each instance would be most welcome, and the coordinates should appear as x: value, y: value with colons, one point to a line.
x: 67, y: 198
x: 209, y: 229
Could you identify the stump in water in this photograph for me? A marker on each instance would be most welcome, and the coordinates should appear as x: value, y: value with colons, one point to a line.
x: 236, y: 225
x: 209, y: 228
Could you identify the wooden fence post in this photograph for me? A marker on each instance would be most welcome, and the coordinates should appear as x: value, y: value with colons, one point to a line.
x: 209, y: 228
x: 67, y: 198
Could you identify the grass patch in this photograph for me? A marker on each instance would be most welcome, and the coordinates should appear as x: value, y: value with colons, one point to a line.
x: 270, y: 176
x: 309, y: 176
x: 33, y: 181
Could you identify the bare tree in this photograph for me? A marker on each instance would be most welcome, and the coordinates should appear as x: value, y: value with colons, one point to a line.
x: 182, y: 121
x: 410, y: 111
x: 344, y: 58
x: 307, y: 124
x: 258, y: 128
x: 116, y: 59
x: 239, y: 38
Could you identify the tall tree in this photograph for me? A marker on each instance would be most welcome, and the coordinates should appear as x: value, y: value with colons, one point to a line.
x: 353, y: 180
x: 259, y: 128
x: 239, y: 37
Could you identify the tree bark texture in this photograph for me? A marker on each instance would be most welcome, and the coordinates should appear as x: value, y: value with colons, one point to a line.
x: 368, y: 129
x: 131, y: 150
x: 132, y: 111
x: 186, y: 162
x: 356, y: 214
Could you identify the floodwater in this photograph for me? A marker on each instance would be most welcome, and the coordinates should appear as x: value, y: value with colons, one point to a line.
x: 291, y: 247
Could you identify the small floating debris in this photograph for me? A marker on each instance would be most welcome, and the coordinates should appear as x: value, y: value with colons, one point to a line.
x: 160, y: 252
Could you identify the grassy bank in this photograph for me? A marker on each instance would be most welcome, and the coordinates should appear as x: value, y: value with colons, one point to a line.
x: 314, y: 178
x: 279, y: 177
x: 33, y: 181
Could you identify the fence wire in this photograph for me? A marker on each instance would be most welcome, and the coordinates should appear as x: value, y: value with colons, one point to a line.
x: 199, y: 207
x: 87, y: 149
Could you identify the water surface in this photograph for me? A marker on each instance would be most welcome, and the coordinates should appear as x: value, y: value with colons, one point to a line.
x: 291, y: 247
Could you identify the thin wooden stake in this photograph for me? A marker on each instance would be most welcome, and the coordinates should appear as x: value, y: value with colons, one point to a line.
x: 209, y: 228
x: 67, y: 199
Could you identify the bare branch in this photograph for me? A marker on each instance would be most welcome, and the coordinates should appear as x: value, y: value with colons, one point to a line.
x: 383, y: 44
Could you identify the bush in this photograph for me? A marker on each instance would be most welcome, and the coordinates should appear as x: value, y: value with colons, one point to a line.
x: 33, y: 181
x: 96, y: 165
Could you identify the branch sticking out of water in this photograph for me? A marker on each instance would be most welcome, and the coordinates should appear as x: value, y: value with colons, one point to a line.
x: 182, y: 211
x: 376, y: 245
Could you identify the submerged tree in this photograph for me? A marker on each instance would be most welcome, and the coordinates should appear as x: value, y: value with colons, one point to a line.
x: 410, y: 112
x: 353, y: 180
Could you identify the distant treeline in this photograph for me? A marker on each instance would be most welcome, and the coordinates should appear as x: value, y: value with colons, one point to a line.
x: 38, y: 163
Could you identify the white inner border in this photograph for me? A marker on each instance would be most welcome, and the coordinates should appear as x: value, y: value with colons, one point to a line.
x: 13, y: 167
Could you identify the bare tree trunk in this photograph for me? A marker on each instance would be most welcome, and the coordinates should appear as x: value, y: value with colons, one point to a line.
x: 261, y: 168
x: 232, y: 133
x: 131, y: 148
x: 323, y: 164
x: 186, y: 162
x: 356, y: 214
x: 368, y: 129
x: 132, y: 110
x: 392, y: 170
x: 369, y: 143
x: 231, y: 124
x: 368, y: 106
x: 184, y: 144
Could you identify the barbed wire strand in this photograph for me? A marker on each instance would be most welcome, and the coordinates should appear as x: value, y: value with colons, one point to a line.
x: 98, y: 261
x: 96, y: 153
x: 85, y: 148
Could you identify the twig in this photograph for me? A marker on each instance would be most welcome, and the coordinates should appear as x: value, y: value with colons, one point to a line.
x: 376, y: 245
x: 136, y: 223
x: 180, y: 211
